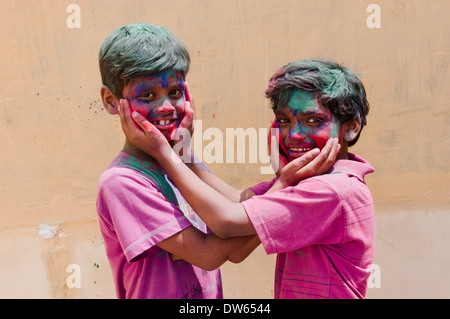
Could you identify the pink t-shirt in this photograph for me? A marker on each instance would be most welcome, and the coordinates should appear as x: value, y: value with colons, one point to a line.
x: 135, y: 215
x: 322, y: 230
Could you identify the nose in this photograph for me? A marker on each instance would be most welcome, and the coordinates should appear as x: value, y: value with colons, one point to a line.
x: 296, y: 132
x: 166, y: 107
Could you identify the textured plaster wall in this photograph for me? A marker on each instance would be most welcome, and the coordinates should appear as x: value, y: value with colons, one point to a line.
x: 56, y: 139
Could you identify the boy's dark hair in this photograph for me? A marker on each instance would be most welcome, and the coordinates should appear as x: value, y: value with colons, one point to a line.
x: 334, y: 86
x: 139, y: 49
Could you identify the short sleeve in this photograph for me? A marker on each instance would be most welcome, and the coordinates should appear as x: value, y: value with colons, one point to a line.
x: 137, y: 212
x: 295, y: 217
x: 263, y: 187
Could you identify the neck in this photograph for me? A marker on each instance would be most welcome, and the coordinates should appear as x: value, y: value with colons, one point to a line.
x: 343, y: 152
x: 132, y: 150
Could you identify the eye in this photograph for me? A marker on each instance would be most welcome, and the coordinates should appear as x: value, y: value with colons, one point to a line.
x: 176, y: 94
x: 283, y: 120
x: 149, y: 96
x: 314, y: 120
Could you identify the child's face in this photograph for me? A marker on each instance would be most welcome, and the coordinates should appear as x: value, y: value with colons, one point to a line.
x: 160, y: 98
x: 304, y: 124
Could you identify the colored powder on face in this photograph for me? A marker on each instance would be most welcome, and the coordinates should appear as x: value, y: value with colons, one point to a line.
x: 164, y: 81
x: 142, y: 85
x: 335, y: 129
x: 164, y: 77
x: 300, y: 101
x: 303, y: 107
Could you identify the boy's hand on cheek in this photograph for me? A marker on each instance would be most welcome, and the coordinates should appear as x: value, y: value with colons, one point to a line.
x: 141, y: 133
x: 189, y: 118
x: 311, y: 164
x: 278, y: 158
x: 182, y: 136
x: 189, y: 111
x: 186, y: 126
x: 180, y: 139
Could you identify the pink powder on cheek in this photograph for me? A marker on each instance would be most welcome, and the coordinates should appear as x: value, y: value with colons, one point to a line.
x: 331, y: 130
x: 317, y: 136
x: 140, y: 107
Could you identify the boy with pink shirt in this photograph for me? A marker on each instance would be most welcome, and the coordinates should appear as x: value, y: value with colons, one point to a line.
x: 322, y: 228
x: 139, y: 212
x: 156, y: 244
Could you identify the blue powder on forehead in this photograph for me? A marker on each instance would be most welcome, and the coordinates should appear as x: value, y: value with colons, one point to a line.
x: 164, y: 80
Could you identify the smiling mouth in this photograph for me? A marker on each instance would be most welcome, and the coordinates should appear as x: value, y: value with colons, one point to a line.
x: 162, y: 122
x: 164, y: 125
x: 300, y: 149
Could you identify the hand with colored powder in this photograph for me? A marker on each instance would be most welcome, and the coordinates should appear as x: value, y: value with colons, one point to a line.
x: 182, y: 135
x: 277, y: 153
x: 189, y: 112
x: 313, y: 163
x: 142, y: 133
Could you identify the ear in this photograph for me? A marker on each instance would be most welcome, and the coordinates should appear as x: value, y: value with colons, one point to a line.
x: 352, y: 129
x: 110, y: 102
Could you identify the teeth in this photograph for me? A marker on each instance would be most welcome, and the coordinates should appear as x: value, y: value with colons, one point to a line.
x: 300, y: 149
x: 164, y: 122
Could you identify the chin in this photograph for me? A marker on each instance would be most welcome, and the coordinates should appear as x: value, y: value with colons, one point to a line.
x: 296, y: 155
x: 168, y: 137
x: 170, y: 134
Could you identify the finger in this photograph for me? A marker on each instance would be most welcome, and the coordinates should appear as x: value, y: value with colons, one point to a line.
x: 270, y: 136
x: 327, y: 149
x: 317, y: 164
x: 329, y: 157
x: 120, y: 109
x: 329, y: 161
x: 187, y: 122
x: 123, y: 110
x: 297, y: 165
x: 144, y: 124
x: 308, y: 157
x: 188, y: 95
x: 187, y: 91
x: 189, y: 111
x: 335, y: 150
x: 188, y: 117
x: 274, y: 130
x: 274, y: 156
x: 126, y: 113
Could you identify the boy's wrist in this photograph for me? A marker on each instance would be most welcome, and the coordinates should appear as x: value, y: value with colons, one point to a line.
x: 166, y: 155
x: 278, y: 185
x: 284, y: 181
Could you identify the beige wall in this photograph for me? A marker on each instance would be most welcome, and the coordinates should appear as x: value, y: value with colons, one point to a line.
x: 56, y: 139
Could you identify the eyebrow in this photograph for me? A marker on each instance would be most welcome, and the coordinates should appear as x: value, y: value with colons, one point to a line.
x: 146, y: 86
x: 313, y: 113
x: 307, y: 113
